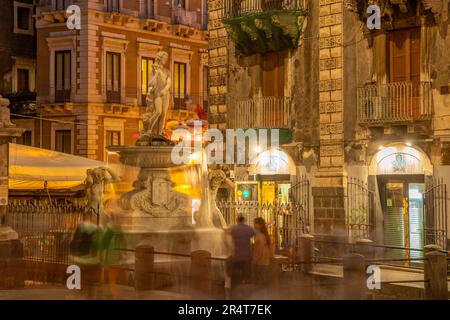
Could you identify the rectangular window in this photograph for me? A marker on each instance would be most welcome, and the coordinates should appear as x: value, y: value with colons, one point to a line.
x: 113, y: 84
x: 63, y: 141
x: 179, y: 84
x: 180, y: 4
x: 149, y: 9
x: 24, y: 18
x: 23, y: 80
x: 62, y: 4
x: 113, y: 5
x: 25, y: 139
x: 63, y: 79
x: 146, y: 72
x: 404, y: 55
x: 112, y: 138
x: 273, y: 74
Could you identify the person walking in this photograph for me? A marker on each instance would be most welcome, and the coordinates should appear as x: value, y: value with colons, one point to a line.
x: 241, y: 233
x: 262, y: 252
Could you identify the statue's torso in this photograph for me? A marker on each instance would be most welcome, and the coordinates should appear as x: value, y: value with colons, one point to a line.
x: 161, y: 77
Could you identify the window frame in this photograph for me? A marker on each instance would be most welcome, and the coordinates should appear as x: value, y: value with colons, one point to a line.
x: 22, y: 136
x: 65, y: 4
x: 28, y: 80
x: 55, y: 140
x: 113, y: 131
x: 113, y: 96
x: 179, y: 98
x: 409, y: 61
x: 111, y: 5
x: 17, y: 30
x: 63, y: 95
x: 143, y: 96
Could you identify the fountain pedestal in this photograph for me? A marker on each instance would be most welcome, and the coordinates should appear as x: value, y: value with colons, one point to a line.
x: 154, y: 212
x: 11, y: 250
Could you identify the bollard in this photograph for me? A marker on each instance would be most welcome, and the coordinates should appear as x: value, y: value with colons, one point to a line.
x: 364, y: 247
x: 201, y: 272
x: 144, y: 261
x: 354, y: 281
x: 228, y: 276
x: 305, y: 252
x: 435, y: 274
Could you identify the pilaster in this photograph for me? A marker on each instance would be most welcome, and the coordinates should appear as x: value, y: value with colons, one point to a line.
x: 218, y: 66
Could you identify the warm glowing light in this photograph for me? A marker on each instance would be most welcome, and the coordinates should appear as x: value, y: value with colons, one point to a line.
x: 380, y: 148
x: 409, y: 144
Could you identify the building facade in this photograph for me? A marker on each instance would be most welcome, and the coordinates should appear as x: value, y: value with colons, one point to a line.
x: 362, y: 110
x: 18, y: 57
x: 92, y: 80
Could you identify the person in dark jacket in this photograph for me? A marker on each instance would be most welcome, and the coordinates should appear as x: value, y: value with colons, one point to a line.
x: 241, y: 234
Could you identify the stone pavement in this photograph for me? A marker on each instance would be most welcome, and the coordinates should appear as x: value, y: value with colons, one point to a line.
x: 100, y: 293
x: 400, y: 290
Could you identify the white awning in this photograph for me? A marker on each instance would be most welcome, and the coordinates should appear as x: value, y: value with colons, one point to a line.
x: 31, y: 168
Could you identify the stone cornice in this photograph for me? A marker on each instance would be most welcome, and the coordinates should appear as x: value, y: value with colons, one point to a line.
x: 127, y: 22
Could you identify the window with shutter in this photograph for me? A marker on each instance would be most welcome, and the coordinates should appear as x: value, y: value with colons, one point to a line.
x: 404, y: 55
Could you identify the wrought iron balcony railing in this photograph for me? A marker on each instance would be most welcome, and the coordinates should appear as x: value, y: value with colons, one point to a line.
x: 238, y: 8
x: 186, y: 17
x: 263, y: 112
x: 395, y: 102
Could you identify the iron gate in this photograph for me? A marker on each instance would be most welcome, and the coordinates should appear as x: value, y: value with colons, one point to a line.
x: 299, y: 195
x: 435, y: 213
x: 360, y: 211
x: 285, y: 221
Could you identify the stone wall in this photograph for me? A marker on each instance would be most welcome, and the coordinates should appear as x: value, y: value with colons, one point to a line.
x: 218, y: 66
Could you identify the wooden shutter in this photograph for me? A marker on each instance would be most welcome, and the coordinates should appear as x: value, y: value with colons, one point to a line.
x: 404, y: 55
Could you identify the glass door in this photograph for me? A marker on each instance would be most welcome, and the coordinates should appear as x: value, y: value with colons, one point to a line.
x: 403, y: 208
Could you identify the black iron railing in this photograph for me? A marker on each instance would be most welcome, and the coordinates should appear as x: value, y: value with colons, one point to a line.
x: 46, y: 229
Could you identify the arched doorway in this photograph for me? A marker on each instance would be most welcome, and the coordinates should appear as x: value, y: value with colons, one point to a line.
x: 273, y: 169
x: 401, y: 172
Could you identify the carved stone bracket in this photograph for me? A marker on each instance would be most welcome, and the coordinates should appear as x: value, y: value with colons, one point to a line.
x: 266, y: 31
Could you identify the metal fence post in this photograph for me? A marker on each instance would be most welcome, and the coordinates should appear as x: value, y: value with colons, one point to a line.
x: 354, y: 281
x: 201, y: 272
x: 435, y: 274
x: 144, y: 262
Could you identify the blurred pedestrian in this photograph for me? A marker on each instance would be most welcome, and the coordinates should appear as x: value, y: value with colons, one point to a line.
x: 262, y: 252
x: 241, y: 234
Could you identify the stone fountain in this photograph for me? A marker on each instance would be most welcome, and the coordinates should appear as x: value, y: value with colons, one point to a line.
x: 155, y: 212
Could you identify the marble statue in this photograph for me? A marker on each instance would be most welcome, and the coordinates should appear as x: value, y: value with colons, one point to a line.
x: 158, y: 97
x: 95, y: 182
x: 5, y: 120
x: 213, y: 215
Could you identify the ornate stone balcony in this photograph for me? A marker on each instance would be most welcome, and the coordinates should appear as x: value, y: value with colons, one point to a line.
x: 260, y: 26
x: 398, y: 102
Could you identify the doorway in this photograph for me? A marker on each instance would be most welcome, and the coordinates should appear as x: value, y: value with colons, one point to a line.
x: 402, y: 199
